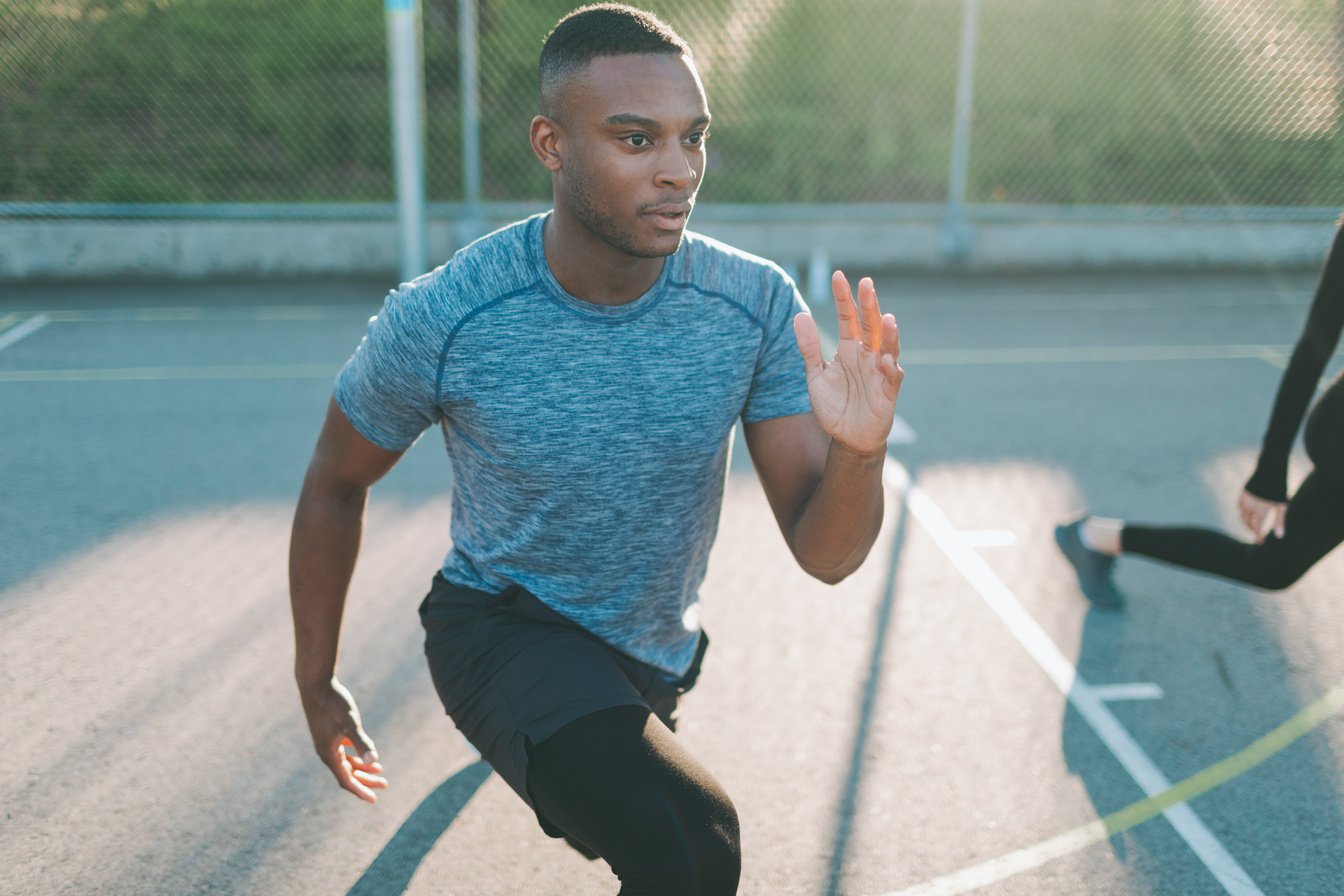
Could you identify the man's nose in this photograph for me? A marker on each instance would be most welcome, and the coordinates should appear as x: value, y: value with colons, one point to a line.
x: 677, y: 168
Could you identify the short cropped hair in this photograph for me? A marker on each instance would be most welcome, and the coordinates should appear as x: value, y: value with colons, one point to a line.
x: 599, y: 29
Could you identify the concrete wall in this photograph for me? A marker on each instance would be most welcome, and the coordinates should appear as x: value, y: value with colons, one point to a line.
x: 284, y: 244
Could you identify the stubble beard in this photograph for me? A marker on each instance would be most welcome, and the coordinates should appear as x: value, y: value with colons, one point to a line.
x: 605, y: 228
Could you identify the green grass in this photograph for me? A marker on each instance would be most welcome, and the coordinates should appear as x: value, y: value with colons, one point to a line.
x: 1109, y: 101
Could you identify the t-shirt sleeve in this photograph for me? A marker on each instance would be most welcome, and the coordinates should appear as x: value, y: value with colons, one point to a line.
x: 388, y: 387
x: 779, y: 384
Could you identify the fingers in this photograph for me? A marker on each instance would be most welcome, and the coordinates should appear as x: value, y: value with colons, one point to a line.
x: 893, y: 376
x: 355, y: 773
x: 1249, y: 511
x: 340, y: 741
x: 891, y: 336
x: 367, y: 772
x: 870, y: 318
x: 809, y: 343
x: 845, y: 309
x: 1262, y: 517
x: 864, y: 320
x: 1278, y: 515
x: 362, y: 744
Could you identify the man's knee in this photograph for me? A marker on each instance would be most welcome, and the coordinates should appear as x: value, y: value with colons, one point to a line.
x: 689, y: 856
x: 719, y: 855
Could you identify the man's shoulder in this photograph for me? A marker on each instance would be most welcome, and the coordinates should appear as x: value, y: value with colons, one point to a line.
x: 496, y: 265
x: 508, y: 247
x: 718, y: 254
x: 712, y: 266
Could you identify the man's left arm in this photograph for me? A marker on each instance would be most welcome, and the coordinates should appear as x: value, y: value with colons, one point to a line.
x: 822, y: 472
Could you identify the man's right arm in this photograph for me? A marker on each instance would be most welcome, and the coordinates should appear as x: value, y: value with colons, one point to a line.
x: 324, y: 543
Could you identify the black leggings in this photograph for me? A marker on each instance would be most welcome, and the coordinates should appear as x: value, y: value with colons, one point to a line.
x: 1314, y: 524
x: 1313, y: 527
x: 618, y: 781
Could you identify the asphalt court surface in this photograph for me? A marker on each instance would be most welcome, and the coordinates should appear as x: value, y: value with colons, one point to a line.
x: 952, y: 718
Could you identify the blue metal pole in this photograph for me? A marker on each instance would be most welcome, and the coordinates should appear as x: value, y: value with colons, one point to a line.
x: 468, y: 67
x: 406, y: 88
x: 956, y: 239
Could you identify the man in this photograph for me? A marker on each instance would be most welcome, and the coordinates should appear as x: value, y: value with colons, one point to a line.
x: 587, y: 367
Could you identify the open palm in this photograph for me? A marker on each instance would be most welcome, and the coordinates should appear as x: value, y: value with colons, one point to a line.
x: 854, y: 394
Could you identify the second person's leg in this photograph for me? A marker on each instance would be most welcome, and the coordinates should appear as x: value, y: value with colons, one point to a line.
x: 1313, y: 527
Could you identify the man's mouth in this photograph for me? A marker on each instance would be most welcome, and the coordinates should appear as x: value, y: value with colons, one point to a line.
x: 670, y: 216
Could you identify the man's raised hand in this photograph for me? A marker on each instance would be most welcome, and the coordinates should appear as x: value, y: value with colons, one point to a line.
x: 854, y: 394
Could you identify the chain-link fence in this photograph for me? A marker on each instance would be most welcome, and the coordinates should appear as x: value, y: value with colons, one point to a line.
x: 1118, y: 102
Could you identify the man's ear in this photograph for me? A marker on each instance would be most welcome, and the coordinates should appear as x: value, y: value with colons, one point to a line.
x: 546, y: 134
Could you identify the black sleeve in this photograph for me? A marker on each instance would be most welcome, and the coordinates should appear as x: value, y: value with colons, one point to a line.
x: 1298, y: 387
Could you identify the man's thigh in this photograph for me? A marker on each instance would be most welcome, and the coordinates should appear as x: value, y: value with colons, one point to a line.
x: 511, y: 673
x: 621, y: 783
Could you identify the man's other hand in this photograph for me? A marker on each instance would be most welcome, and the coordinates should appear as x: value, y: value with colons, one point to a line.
x: 340, y: 741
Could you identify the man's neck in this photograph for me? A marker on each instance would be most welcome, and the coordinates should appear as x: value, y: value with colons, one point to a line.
x: 590, y: 269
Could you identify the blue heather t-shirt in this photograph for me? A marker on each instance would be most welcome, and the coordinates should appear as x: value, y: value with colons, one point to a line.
x: 589, y: 443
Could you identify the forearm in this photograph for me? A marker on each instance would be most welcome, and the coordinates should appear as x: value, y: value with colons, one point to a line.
x: 840, y: 520
x: 324, y: 543
x: 1320, y: 336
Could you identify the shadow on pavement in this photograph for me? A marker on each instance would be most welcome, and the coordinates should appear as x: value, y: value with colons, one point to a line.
x: 844, y: 820
x: 390, y: 873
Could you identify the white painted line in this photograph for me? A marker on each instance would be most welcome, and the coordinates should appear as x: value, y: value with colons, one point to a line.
x: 1006, y: 866
x: 990, y: 538
x: 1263, y: 748
x: 1138, y: 690
x: 1108, y: 354
x: 1062, y: 672
x: 27, y: 328
x: 201, y: 372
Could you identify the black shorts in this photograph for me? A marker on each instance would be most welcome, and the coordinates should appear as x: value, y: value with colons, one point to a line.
x: 511, y: 672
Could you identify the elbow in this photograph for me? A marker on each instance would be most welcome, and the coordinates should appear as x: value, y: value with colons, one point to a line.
x: 829, y: 577
x: 827, y: 570
x: 832, y: 575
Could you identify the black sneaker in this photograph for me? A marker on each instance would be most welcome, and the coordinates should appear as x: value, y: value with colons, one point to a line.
x: 1093, y: 567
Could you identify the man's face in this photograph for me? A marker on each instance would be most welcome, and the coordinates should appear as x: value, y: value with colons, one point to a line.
x: 632, y: 151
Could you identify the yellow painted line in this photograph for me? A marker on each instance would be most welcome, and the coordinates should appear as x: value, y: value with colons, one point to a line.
x: 1060, y: 670
x: 218, y: 372
x: 982, y: 875
x: 1090, y: 354
x: 1304, y: 722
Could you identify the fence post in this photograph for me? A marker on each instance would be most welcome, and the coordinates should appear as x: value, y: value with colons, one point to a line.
x: 472, y: 224
x: 956, y: 238
x: 406, y: 87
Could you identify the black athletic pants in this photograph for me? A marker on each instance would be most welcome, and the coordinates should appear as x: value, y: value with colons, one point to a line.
x: 1314, y: 524
x: 618, y: 781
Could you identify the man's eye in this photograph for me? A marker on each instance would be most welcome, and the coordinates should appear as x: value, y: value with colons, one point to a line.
x: 697, y: 138
x: 638, y: 140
